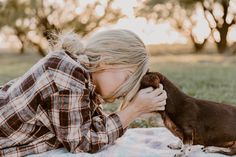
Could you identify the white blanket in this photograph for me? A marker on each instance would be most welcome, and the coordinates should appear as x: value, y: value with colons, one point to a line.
x: 139, y: 142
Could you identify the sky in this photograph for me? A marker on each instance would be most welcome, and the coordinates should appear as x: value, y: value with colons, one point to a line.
x: 149, y: 32
x: 162, y: 33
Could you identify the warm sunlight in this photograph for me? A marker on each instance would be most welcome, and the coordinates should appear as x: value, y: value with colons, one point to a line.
x: 153, y: 33
x: 108, y: 77
x: 149, y: 31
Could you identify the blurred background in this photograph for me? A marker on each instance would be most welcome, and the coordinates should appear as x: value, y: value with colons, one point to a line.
x: 192, y: 42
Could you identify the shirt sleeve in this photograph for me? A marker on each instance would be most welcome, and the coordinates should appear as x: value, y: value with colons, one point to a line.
x: 8, y: 84
x: 75, y: 126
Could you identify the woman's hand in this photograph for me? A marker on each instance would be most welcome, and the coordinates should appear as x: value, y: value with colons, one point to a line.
x: 148, y: 100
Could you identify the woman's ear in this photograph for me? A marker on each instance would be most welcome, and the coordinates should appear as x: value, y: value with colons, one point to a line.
x: 150, y: 80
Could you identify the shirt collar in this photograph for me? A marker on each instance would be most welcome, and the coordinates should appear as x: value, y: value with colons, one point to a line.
x: 96, y: 97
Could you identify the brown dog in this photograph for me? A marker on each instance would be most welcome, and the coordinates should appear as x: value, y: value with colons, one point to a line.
x: 194, y: 121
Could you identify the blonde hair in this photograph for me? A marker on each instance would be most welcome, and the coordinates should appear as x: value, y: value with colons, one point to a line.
x: 117, y: 48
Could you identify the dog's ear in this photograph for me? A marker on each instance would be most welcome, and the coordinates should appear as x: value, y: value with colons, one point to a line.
x: 150, y: 79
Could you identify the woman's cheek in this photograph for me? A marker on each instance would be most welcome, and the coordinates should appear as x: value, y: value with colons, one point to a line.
x: 108, y: 87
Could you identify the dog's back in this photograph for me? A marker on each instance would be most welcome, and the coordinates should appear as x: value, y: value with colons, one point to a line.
x: 216, y: 122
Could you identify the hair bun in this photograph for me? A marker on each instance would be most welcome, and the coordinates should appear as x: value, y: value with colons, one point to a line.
x: 71, y: 42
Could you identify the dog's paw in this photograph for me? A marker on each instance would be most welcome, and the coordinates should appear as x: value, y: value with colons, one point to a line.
x: 182, y: 154
x: 208, y: 149
x: 212, y: 149
x: 175, y: 146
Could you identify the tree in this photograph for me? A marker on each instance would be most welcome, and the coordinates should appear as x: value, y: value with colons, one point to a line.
x: 219, y: 24
x: 31, y: 20
x: 183, y: 11
x: 10, y: 13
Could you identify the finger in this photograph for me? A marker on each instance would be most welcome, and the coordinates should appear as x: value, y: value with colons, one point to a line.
x: 160, y: 86
x: 161, y: 97
x: 147, y: 90
x: 162, y: 103
x: 161, y: 108
x: 164, y: 94
x: 158, y: 91
x: 159, y: 104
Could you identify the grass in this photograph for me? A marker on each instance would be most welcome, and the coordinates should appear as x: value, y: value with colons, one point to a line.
x: 14, y: 65
x: 209, y: 77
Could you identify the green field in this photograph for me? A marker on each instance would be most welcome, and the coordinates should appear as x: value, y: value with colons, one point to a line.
x: 14, y: 65
x: 211, y: 77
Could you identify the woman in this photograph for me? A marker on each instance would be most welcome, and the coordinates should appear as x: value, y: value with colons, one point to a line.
x: 56, y: 103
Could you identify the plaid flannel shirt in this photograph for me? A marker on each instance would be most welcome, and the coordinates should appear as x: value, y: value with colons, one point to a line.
x: 54, y: 105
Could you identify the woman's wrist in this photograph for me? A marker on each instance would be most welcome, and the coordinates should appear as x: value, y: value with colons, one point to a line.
x: 128, y: 115
x: 135, y: 109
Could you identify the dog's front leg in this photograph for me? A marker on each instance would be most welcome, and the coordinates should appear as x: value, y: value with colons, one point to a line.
x: 214, y: 149
x: 175, y: 146
x: 225, y: 149
x: 187, y: 143
x: 185, y: 151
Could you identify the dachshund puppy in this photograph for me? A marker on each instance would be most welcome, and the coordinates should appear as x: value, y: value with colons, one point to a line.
x: 195, y: 121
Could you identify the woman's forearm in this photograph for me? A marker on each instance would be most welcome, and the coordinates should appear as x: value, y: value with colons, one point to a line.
x: 146, y: 100
x: 128, y: 115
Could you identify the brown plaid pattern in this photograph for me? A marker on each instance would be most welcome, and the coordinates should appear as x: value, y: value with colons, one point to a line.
x: 54, y: 105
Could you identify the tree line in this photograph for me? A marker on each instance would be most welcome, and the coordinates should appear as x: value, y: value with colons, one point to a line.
x: 33, y: 20
x: 220, y: 16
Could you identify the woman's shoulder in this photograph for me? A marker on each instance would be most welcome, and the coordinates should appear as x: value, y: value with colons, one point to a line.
x: 62, y: 58
x: 65, y: 64
x: 8, y: 84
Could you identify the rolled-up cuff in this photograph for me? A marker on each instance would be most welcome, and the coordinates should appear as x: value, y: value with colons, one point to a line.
x: 115, y: 128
